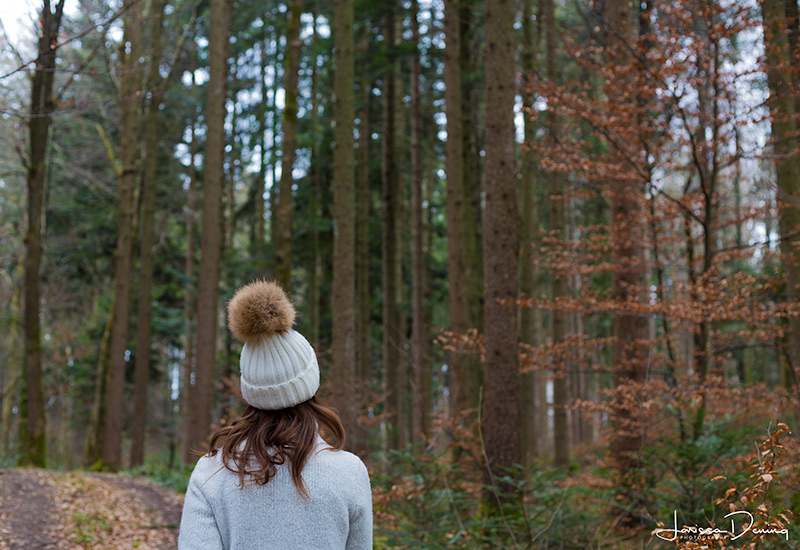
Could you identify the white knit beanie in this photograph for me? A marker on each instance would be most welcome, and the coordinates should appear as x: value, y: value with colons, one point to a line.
x: 279, y: 367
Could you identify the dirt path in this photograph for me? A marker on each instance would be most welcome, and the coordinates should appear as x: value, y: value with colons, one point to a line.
x: 46, y: 510
x: 29, y: 518
x: 162, y: 506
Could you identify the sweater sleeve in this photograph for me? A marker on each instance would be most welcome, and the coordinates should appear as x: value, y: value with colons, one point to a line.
x: 360, y: 534
x: 199, y: 529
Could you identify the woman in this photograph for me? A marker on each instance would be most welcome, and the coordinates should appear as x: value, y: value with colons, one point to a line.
x: 269, y: 481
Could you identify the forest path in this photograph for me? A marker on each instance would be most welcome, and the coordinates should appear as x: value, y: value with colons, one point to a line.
x: 47, y: 510
x: 28, y: 514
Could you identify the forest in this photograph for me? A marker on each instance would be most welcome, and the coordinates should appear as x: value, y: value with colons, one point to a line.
x: 546, y: 252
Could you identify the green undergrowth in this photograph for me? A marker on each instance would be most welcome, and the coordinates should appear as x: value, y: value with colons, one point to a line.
x: 426, y: 500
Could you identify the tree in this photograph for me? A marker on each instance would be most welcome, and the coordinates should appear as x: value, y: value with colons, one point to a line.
x: 501, y: 386
x: 787, y: 161
x: 391, y: 332
x: 530, y: 408
x: 32, y: 419
x: 421, y: 380
x: 150, y: 152
x: 344, y: 243
x: 130, y: 81
x: 457, y: 299
x: 285, y: 206
x: 629, y: 276
x: 558, y: 280
x: 201, y: 396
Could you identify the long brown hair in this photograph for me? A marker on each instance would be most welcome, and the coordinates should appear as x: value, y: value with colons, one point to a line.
x: 274, y: 437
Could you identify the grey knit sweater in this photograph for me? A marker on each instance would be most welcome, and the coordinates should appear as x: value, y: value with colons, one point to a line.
x: 218, y: 515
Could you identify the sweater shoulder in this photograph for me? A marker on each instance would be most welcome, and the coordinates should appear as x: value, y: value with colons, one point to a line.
x: 207, y: 467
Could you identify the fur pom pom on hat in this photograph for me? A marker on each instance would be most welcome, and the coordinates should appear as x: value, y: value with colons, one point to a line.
x: 279, y: 367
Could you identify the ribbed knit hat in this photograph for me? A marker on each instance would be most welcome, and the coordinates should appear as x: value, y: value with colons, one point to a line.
x: 279, y: 367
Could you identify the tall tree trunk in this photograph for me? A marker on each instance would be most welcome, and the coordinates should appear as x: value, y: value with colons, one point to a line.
x: 283, y: 247
x: 501, y: 408
x: 628, y: 279
x: 31, y: 420
x: 471, y: 133
x: 189, y: 302
x: 314, y: 203
x: 96, y: 432
x: 362, y: 285
x: 421, y: 386
x: 558, y: 282
x: 389, y: 259
x: 129, y: 118
x: 787, y: 163
x: 344, y: 220
x: 261, y: 116
x: 144, y: 314
x: 211, y: 243
x: 529, y: 229
x: 403, y: 425
x: 460, y: 390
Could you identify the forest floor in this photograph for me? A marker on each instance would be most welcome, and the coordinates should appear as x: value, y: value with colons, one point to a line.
x: 48, y: 510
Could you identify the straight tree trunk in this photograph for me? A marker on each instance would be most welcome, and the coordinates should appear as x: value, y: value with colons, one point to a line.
x: 787, y: 163
x: 130, y: 82
x: 403, y: 425
x: 628, y: 233
x: 258, y: 228
x: 283, y: 247
x: 211, y: 242
x: 316, y: 169
x: 344, y: 221
x: 362, y: 286
x: 460, y: 390
x: 32, y: 433
x: 96, y: 432
x: 189, y: 300
x: 389, y: 258
x: 558, y: 282
x: 529, y: 228
x: 471, y: 132
x: 501, y: 417
x: 144, y: 314
x: 421, y: 385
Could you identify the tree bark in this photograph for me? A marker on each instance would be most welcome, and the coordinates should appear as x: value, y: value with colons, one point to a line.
x: 285, y: 206
x: 189, y: 300
x: 501, y: 408
x: 787, y: 163
x: 344, y: 218
x: 32, y: 433
x: 529, y: 229
x: 628, y: 233
x: 362, y: 286
x: 558, y: 283
x: 129, y: 118
x: 421, y: 386
x: 211, y: 242
x: 314, y: 203
x: 144, y: 314
x: 389, y: 259
x: 460, y: 390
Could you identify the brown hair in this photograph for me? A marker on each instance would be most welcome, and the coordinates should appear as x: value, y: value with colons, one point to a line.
x: 254, y: 445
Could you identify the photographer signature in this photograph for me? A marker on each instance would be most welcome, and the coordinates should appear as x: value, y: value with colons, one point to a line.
x: 697, y: 532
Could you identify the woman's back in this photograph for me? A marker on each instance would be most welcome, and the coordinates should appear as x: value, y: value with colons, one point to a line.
x: 268, y: 480
x: 338, y: 514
